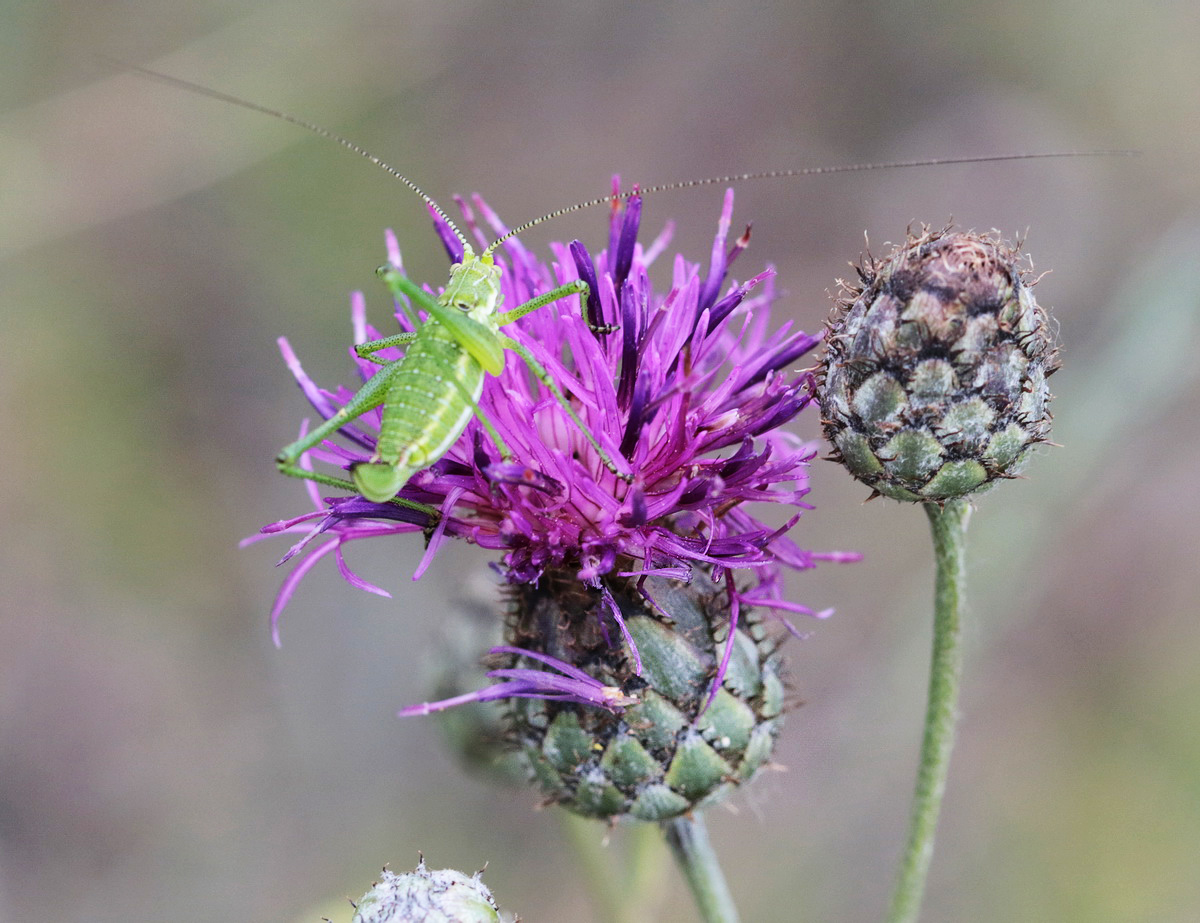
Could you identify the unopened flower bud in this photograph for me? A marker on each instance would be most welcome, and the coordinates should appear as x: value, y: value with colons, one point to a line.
x: 934, y: 374
x: 424, y: 896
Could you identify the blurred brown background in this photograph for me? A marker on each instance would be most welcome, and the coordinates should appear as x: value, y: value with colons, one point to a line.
x: 159, y: 760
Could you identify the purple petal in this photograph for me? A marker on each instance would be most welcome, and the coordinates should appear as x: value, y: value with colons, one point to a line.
x: 291, y: 581
x: 717, y: 265
x: 356, y: 581
x: 628, y: 239
x: 727, y: 653
x: 617, y: 617
x: 561, y: 665
x: 454, y: 247
x: 587, y: 272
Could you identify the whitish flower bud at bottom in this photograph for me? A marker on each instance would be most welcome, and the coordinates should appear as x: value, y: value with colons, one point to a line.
x: 424, y: 896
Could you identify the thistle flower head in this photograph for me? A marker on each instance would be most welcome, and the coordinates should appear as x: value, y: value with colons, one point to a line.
x: 690, y: 389
x: 639, y: 679
x: 935, y: 367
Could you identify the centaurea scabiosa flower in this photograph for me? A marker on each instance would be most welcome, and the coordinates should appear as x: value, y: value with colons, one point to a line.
x: 642, y: 679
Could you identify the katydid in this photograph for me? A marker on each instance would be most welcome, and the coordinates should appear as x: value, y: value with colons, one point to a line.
x: 430, y: 394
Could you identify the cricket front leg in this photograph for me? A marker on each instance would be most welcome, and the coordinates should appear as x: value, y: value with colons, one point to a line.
x: 366, y: 350
x: 578, y: 287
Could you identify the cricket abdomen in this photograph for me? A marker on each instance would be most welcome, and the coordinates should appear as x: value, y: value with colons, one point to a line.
x: 425, y: 410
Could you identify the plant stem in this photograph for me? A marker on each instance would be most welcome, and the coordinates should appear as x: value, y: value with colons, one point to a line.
x: 630, y: 894
x: 594, y: 862
x: 645, y: 867
x: 949, y: 527
x: 688, y: 839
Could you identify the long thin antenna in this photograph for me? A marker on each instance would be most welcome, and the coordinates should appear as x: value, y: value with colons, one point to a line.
x: 275, y: 113
x: 799, y: 171
x: 201, y: 90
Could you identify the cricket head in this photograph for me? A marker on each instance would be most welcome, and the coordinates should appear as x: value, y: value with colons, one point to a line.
x: 474, y: 286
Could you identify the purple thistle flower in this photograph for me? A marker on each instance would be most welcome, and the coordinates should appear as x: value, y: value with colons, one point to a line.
x: 689, y: 389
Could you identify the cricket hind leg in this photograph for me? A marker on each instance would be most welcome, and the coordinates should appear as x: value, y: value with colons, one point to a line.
x: 571, y: 288
x: 379, y: 481
x: 328, y: 480
x: 369, y: 396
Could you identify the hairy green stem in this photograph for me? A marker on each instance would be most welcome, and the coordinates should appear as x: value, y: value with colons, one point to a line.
x: 688, y: 839
x: 949, y: 527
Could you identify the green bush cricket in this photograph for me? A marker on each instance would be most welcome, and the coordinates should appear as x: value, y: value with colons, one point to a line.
x: 429, y: 395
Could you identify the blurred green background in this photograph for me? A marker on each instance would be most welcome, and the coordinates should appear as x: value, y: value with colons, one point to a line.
x: 160, y: 760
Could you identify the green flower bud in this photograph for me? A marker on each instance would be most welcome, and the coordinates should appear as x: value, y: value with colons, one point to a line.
x: 422, y: 896
x: 664, y: 753
x: 934, y: 374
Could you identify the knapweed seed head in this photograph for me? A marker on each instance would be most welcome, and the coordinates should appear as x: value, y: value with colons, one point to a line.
x: 935, y: 366
x: 427, y: 896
